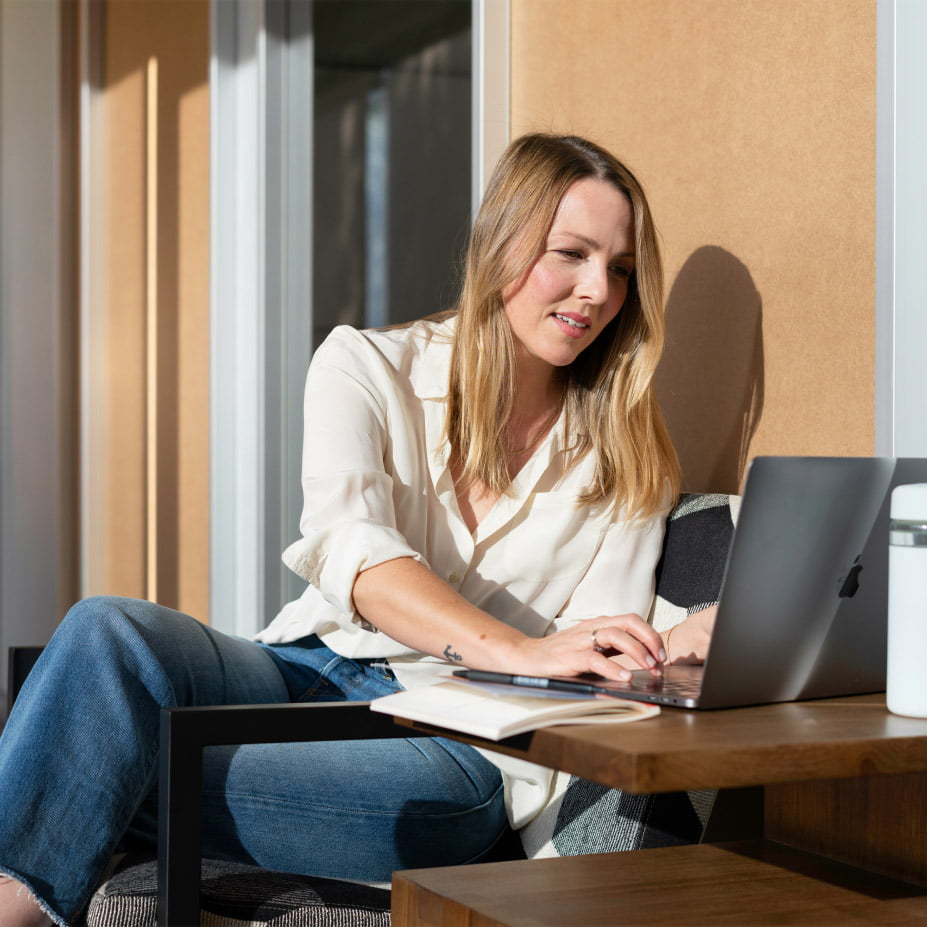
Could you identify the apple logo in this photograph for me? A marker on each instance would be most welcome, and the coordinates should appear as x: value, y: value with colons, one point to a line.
x: 849, y: 584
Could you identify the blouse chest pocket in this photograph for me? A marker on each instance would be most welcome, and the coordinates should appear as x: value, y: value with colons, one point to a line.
x: 552, y: 538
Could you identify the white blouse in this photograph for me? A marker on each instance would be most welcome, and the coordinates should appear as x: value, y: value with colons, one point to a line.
x: 377, y: 485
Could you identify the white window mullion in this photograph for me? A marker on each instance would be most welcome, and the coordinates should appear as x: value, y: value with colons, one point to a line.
x: 910, y: 229
x: 237, y: 315
x: 296, y: 326
x: 261, y: 80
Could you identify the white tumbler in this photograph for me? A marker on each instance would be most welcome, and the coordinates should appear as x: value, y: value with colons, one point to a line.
x: 906, y: 684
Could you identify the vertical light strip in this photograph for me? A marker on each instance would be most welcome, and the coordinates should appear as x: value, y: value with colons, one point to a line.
x: 376, y: 206
x: 92, y: 334
x: 910, y: 230
x: 297, y: 342
x: 238, y: 310
x: 491, y: 29
x: 885, y: 230
x: 151, y: 332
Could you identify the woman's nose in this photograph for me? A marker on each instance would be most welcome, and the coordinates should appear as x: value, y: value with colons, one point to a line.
x: 593, y: 282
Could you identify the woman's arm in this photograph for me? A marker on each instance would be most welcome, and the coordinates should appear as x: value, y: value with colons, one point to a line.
x: 687, y: 642
x: 408, y: 602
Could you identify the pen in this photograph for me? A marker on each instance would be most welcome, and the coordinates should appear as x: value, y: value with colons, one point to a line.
x: 535, y: 682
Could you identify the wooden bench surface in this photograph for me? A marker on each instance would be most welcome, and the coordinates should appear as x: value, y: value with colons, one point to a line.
x: 757, y: 883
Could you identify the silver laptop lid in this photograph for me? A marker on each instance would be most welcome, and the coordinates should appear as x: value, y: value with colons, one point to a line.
x: 804, y: 598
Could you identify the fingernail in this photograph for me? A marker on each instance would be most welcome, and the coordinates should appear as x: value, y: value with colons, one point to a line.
x: 651, y: 661
x: 662, y: 655
x: 626, y: 676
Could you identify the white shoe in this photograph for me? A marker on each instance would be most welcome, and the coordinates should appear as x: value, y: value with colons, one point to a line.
x: 18, y: 907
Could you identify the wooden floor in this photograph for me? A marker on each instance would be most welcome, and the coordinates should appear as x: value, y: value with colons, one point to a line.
x: 741, y: 885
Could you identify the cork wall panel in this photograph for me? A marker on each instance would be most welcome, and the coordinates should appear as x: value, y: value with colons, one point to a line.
x: 751, y: 124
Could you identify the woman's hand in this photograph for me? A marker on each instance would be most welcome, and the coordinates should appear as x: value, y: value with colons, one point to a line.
x: 687, y: 642
x: 591, y: 646
x: 405, y: 600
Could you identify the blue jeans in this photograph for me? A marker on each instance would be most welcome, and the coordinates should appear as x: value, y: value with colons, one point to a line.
x: 78, y: 761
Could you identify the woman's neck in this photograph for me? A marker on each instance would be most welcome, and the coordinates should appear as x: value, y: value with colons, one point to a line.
x: 535, y: 407
x: 538, y: 391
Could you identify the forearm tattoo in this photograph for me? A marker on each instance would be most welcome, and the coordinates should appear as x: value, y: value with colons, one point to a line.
x: 451, y: 655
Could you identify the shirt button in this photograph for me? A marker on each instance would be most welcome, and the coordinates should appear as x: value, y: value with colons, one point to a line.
x: 454, y: 578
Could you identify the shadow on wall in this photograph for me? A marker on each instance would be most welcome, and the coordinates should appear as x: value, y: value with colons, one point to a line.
x: 710, y: 380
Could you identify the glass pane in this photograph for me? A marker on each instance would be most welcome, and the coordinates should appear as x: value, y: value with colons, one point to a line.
x: 391, y: 179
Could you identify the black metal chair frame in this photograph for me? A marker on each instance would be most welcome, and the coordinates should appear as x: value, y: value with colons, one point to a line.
x: 20, y: 662
x: 186, y: 732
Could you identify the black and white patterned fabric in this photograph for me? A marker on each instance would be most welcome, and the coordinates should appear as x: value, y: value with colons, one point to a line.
x: 698, y: 536
x: 584, y: 817
x: 234, y: 895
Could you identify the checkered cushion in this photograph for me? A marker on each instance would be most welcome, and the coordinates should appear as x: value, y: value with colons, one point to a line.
x: 698, y: 535
x: 234, y: 895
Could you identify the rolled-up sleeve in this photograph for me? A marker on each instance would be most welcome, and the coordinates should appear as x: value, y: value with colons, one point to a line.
x: 348, y: 522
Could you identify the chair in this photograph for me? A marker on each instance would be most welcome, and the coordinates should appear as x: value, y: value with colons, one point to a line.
x: 179, y: 884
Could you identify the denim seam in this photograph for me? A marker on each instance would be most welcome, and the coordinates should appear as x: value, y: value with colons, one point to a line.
x: 284, y: 802
x: 441, y: 742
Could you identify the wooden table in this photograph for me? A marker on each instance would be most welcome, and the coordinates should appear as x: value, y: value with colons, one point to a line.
x: 844, y: 838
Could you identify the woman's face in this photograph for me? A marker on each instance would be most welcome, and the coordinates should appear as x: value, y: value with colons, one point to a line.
x: 580, y: 281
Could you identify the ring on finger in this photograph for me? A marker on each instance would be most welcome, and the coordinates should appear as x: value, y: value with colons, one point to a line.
x: 595, y: 644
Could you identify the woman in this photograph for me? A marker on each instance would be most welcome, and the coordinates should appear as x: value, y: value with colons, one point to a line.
x: 486, y: 489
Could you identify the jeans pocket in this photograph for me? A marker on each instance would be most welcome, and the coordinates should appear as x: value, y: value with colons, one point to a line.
x: 343, y: 679
x: 323, y: 690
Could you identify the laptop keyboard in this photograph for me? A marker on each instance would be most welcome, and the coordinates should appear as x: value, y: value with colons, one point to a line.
x: 687, y: 687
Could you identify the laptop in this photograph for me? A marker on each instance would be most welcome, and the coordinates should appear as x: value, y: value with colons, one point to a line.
x: 804, y: 602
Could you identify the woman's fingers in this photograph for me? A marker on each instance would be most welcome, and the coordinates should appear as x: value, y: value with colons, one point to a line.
x: 608, y: 668
x: 609, y: 645
x: 630, y: 635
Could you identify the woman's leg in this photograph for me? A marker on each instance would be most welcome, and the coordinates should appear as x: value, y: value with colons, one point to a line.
x: 79, y: 751
x: 348, y: 809
x: 352, y: 809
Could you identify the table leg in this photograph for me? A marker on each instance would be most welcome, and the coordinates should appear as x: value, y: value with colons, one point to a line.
x: 878, y: 823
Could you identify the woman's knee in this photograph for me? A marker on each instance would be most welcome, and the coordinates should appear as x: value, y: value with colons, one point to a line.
x: 112, y: 636
x: 102, y: 619
x: 177, y: 658
x: 112, y: 624
x: 92, y: 615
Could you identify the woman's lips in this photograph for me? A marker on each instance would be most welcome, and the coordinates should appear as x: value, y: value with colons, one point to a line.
x: 575, y: 326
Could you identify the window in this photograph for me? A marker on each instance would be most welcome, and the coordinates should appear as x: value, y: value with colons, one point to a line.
x: 348, y: 139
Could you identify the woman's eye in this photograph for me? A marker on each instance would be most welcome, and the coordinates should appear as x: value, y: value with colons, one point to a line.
x: 569, y: 254
x: 620, y: 270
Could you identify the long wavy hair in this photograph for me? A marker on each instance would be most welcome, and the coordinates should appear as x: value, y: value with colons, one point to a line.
x: 609, y: 398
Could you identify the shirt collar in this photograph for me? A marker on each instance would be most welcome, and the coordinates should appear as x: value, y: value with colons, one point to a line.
x: 431, y: 379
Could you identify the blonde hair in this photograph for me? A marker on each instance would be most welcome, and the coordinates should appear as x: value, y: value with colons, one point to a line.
x: 609, y: 399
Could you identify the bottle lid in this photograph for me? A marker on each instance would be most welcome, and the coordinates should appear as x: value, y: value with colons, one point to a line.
x: 909, y: 502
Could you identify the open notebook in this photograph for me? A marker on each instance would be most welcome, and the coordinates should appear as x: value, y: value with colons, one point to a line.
x: 497, y: 711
